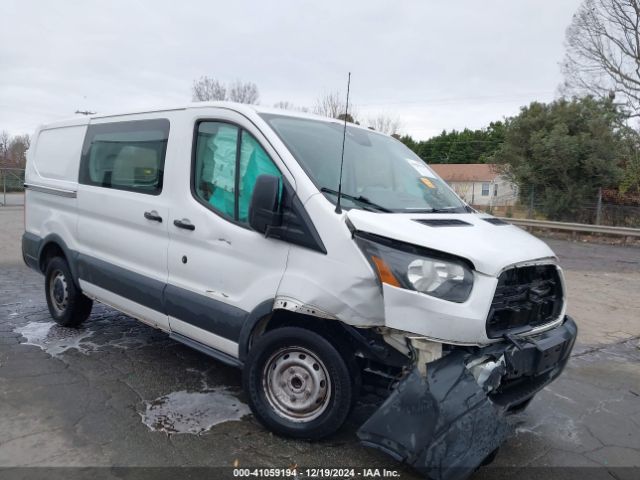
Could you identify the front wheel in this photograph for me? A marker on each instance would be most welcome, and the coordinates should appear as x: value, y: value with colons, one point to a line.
x: 298, y: 384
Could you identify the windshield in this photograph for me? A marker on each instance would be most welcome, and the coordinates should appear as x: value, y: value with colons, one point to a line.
x: 380, y: 173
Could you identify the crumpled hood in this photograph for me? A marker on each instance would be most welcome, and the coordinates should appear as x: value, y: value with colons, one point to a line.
x: 489, y: 247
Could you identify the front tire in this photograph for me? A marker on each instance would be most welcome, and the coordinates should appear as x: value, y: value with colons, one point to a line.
x: 298, y: 384
x: 67, y: 304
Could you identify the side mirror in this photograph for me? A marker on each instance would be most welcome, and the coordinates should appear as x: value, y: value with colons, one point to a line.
x: 263, y: 209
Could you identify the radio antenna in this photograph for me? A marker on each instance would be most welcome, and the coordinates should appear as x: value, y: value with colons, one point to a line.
x: 344, y: 136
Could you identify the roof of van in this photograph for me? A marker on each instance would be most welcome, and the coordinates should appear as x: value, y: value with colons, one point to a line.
x: 238, y: 107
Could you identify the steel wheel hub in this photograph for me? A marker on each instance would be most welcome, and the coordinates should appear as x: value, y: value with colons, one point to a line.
x: 59, y: 292
x: 296, y: 384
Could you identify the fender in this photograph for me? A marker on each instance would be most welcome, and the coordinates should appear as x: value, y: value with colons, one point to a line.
x: 258, y: 313
x: 31, y: 243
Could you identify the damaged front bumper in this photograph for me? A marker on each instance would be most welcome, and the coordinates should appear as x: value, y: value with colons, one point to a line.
x: 446, y: 424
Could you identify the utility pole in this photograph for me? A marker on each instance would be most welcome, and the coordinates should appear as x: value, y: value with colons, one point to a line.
x: 531, y: 197
x: 599, y: 206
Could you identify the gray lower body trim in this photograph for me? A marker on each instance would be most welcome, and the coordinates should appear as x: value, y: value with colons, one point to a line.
x: 31, y: 244
x: 258, y: 313
x: 198, y: 310
x: 204, y: 312
x: 212, y: 352
x: 137, y: 288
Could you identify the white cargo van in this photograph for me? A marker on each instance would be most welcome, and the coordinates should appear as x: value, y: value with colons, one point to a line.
x: 218, y: 224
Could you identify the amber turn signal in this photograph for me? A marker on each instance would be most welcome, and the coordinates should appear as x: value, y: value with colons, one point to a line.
x: 384, y: 272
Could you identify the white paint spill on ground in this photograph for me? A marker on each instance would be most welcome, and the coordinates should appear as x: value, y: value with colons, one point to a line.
x: 122, y: 343
x: 563, y: 397
x: 54, y: 339
x: 193, y: 412
x: 178, y: 412
x: 556, y: 426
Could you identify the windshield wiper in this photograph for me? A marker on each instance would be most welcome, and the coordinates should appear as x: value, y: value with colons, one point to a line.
x: 359, y: 199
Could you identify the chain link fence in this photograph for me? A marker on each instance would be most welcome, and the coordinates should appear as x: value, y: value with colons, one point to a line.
x: 11, y: 186
x: 602, y: 207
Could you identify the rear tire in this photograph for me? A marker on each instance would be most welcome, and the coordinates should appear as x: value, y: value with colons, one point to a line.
x: 68, y: 306
x: 298, y: 384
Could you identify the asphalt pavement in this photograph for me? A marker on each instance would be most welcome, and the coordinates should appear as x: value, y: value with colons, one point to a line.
x: 118, y: 393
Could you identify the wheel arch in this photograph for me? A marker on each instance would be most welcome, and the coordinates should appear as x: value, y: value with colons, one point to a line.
x: 265, y: 318
x: 52, y: 246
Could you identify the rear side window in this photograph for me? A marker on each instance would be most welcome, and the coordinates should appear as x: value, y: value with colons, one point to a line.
x: 57, y: 152
x: 126, y: 155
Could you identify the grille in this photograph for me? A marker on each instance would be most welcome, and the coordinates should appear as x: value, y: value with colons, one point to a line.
x: 525, y: 298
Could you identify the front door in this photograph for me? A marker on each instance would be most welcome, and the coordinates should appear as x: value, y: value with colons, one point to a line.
x: 219, y: 268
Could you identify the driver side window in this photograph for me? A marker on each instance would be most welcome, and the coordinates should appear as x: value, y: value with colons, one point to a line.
x: 228, y: 162
x: 215, y: 169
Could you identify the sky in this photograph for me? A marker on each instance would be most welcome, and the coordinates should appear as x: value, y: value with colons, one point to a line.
x: 434, y: 64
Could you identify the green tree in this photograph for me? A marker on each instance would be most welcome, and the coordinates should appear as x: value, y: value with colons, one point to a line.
x: 466, y: 146
x: 565, y: 151
x: 409, y: 142
x: 630, y: 183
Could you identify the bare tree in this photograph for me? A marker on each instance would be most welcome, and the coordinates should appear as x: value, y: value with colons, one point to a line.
x: 603, y: 52
x: 329, y: 105
x: 207, y: 89
x: 243, y: 92
x: 4, y: 146
x: 287, y: 105
x: 385, y: 123
x: 284, y: 105
x: 13, y: 150
x: 333, y: 105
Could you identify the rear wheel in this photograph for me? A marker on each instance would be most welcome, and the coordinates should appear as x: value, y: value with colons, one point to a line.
x: 298, y: 384
x: 67, y: 304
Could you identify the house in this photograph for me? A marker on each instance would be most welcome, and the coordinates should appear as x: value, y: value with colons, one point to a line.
x: 479, y: 184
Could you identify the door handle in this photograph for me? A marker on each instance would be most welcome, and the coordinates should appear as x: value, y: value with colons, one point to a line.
x: 153, y: 216
x: 184, y: 223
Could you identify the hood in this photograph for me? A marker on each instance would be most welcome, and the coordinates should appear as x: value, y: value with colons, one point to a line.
x: 489, y: 246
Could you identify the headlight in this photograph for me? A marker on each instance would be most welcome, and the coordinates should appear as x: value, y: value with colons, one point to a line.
x: 407, y: 266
